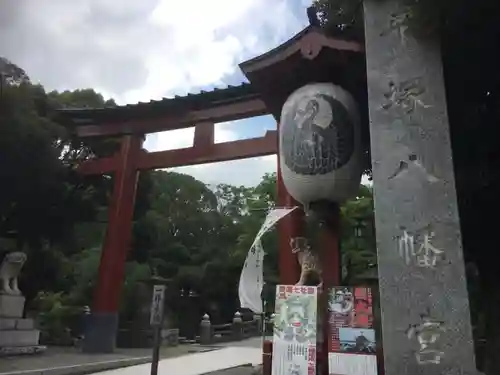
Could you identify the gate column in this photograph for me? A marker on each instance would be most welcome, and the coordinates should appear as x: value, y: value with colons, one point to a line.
x: 103, y: 325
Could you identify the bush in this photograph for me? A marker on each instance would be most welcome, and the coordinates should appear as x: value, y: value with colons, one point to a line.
x: 59, y: 322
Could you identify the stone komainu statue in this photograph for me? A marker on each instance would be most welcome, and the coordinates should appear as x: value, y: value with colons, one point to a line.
x: 9, y: 270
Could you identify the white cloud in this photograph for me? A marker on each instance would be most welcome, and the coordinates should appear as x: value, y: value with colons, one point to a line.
x: 246, y: 172
x: 225, y: 33
x: 203, y: 41
x: 181, y: 138
x: 141, y: 50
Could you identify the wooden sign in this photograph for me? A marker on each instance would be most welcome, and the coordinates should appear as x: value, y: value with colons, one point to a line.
x: 157, y: 305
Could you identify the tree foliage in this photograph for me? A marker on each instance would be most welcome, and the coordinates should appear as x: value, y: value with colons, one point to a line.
x: 43, y: 198
x: 422, y: 17
x: 341, y: 17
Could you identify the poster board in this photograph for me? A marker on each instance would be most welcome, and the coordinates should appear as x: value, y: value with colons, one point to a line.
x: 295, y: 330
x: 351, y: 341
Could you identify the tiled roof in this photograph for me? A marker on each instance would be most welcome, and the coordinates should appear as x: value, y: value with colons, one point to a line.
x: 201, y: 100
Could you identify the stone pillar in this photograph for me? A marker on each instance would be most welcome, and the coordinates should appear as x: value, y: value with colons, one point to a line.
x: 259, y: 323
x: 237, y: 327
x: 103, y: 323
x: 191, y: 315
x: 205, y: 330
x: 425, y: 309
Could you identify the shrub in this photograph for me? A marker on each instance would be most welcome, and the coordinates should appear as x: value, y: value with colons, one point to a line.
x: 58, y: 320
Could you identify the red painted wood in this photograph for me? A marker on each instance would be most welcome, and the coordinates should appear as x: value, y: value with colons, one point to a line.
x: 246, y: 148
x: 309, y: 42
x: 119, y: 231
x: 292, y: 225
x: 267, y: 357
x: 203, y: 135
x: 330, y: 251
x: 332, y: 276
x: 180, y: 120
x: 99, y: 166
x: 242, y: 149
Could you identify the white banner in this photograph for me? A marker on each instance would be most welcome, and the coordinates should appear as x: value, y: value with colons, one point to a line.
x: 252, y: 274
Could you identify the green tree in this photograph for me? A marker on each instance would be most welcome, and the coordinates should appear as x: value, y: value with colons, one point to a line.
x: 358, y: 246
x: 77, y: 149
x: 341, y: 17
x: 85, y: 98
x: 43, y: 197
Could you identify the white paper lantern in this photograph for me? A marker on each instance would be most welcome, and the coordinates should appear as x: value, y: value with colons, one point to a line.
x: 319, y: 144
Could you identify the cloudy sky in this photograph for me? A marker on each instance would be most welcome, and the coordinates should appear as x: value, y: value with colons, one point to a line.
x: 140, y: 50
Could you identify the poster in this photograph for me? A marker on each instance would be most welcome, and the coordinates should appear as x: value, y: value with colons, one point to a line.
x: 351, y: 341
x: 295, y: 330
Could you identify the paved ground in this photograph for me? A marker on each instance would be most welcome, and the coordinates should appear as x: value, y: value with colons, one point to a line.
x: 68, y: 360
x: 237, y: 358
x: 63, y: 357
x: 254, y: 342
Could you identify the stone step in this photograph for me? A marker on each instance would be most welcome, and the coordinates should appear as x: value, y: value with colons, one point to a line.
x: 16, y: 324
x: 19, y: 338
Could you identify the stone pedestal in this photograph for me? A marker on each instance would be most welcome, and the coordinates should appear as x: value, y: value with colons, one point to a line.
x: 17, y: 335
x: 11, y: 306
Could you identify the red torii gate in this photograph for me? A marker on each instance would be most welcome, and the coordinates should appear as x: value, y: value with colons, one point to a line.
x: 310, y: 56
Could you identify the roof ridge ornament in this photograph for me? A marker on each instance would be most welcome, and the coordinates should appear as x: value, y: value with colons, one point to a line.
x: 310, y: 47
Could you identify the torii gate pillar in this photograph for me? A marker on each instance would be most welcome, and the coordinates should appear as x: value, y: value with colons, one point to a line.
x: 103, y: 325
x: 291, y: 226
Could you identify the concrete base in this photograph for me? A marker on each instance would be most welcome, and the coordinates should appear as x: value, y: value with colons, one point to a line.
x: 11, y: 306
x: 7, y: 323
x: 25, y: 324
x: 100, y: 335
x: 170, y: 336
x: 13, y: 323
x: 8, y: 351
x: 16, y: 338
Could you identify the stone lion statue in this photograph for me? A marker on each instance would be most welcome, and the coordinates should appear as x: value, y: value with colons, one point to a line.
x: 309, y: 262
x: 9, y: 270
